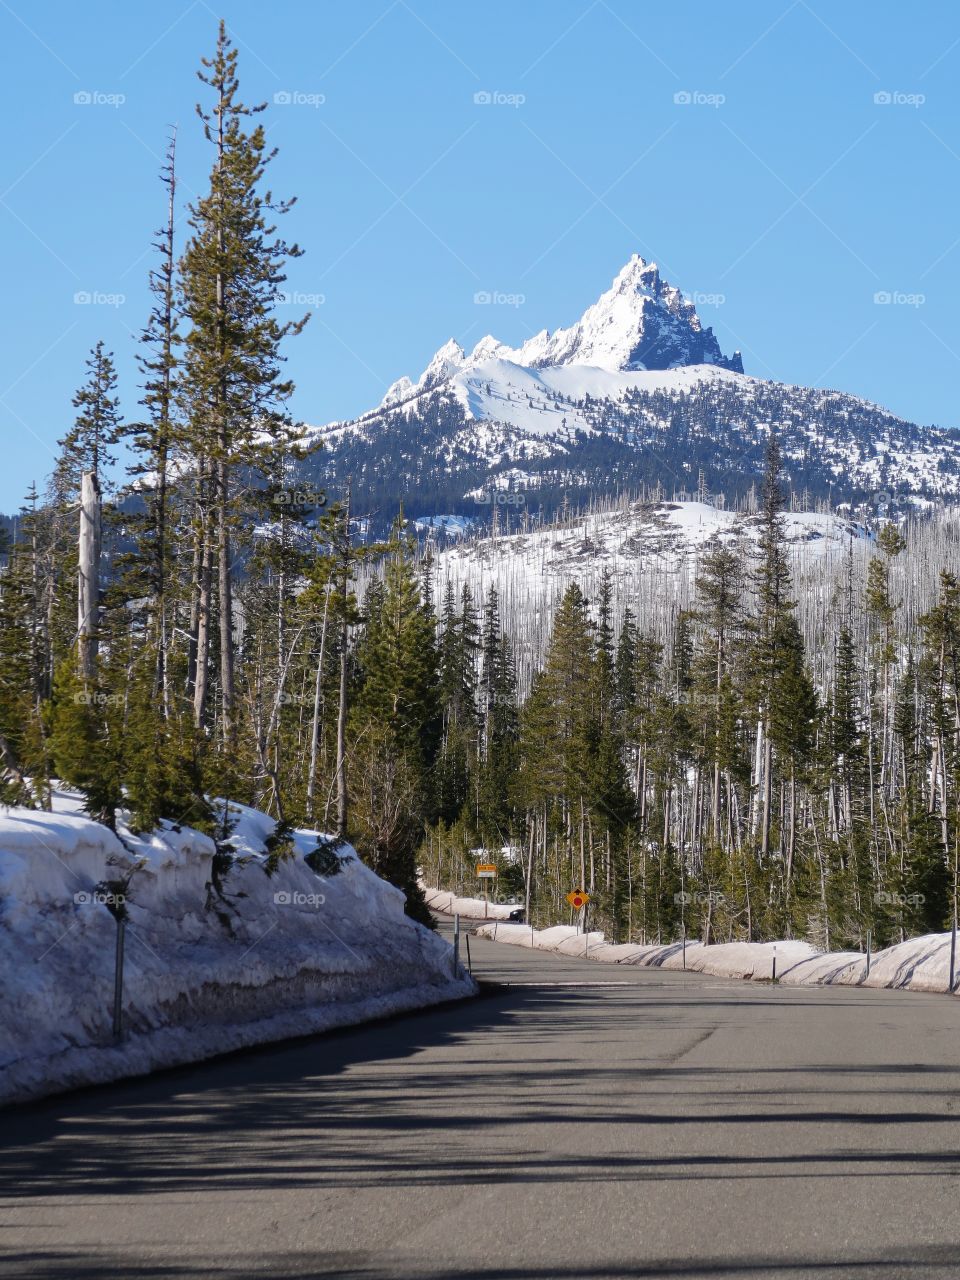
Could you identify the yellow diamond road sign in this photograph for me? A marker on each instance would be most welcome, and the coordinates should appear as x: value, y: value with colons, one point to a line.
x: 578, y: 898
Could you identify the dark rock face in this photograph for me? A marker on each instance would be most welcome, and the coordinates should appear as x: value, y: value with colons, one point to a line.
x: 641, y: 322
x: 672, y: 334
x: 671, y: 340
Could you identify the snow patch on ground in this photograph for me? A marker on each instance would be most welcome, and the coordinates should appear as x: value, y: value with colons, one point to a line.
x: 217, y: 958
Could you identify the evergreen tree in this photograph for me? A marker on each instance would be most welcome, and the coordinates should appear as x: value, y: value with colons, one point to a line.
x: 771, y: 581
x: 150, y: 570
x: 87, y: 445
x: 396, y: 727
x: 232, y: 392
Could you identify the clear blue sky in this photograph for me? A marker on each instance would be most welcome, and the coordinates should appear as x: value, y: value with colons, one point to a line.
x: 796, y: 198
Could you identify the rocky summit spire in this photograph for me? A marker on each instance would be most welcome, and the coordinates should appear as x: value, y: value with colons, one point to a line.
x: 641, y: 322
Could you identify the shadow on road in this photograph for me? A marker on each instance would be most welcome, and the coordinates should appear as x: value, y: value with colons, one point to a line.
x: 508, y: 1091
x: 921, y: 1263
x: 344, y: 1108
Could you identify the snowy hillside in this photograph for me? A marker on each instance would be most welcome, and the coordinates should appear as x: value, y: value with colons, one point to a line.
x: 541, y: 401
x: 219, y: 953
x: 651, y: 551
x: 636, y: 394
x: 670, y: 534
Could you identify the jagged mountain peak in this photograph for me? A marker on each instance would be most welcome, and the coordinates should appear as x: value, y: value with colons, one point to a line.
x: 450, y: 359
x: 640, y: 322
x: 636, y: 395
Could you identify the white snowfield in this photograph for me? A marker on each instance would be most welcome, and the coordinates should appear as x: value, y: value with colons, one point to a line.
x: 919, y: 964
x: 662, y: 537
x: 207, y: 969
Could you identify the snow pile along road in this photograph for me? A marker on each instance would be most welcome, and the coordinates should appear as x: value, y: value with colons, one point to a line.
x: 469, y: 908
x: 219, y: 953
x: 919, y: 964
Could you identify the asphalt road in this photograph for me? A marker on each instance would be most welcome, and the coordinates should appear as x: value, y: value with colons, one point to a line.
x: 584, y: 1122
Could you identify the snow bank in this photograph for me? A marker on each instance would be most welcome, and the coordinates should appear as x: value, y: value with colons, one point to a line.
x: 219, y: 954
x: 920, y: 964
x: 469, y: 908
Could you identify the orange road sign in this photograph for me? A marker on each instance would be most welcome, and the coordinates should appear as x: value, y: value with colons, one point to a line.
x: 490, y: 868
x: 578, y: 898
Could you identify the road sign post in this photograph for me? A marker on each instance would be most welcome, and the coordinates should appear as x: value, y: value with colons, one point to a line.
x: 578, y: 900
x: 486, y: 871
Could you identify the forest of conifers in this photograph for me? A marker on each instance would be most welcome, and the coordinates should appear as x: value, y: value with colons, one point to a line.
x: 210, y: 628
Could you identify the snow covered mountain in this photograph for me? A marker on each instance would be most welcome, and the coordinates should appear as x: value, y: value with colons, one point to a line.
x: 641, y: 322
x: 635, y: 396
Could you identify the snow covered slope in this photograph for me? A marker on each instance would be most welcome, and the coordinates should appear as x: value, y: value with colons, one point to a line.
x: 652, y: 551
x: 669, y: 533
x: 634, y: 394
x: 219, y: 955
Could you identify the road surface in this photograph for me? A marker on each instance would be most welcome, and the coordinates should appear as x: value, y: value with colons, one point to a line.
x: 583, y: 1122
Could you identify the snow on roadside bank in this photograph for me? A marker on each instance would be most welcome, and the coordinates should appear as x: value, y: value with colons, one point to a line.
x: 919, y: 964
x: 469, y: 908
x: 214, y: 961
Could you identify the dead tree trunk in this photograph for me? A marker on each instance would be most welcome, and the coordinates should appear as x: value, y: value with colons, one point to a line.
x: 88, y: 582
